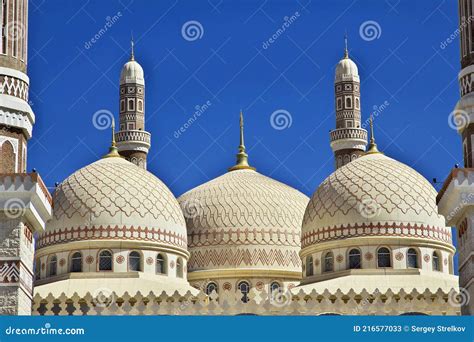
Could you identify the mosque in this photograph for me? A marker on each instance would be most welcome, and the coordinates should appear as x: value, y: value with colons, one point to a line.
x: 374, y: 238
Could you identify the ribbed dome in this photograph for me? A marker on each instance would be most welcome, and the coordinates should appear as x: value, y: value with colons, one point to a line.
x: 373, y: 195
x: 346, y: 68
x: 132, y: 72
x: 113, y: 192
x: 243, y: 219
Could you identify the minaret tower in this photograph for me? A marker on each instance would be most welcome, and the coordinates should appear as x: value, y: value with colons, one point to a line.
x: 25, y: 203
x: 348, y: 140
x: 456, y: 198
x: 133, y: 142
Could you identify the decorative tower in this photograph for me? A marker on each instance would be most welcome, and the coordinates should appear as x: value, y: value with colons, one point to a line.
x: 133, y: 142
x: 25, y: 203
x: 348, y: 140
x: 456, y: 198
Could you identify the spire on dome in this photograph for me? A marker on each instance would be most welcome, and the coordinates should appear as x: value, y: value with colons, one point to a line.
x: 132, y: 52
x: 372, y: 145
x: 113, y: 151
x: 242, y: 156
x: 346, y: 51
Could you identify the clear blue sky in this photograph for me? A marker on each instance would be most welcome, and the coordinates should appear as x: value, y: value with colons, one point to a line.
x: 229, y: 67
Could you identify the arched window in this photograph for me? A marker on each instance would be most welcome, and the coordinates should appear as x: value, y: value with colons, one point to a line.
x: 211, y: 287
x: 179, y: 268
x: 412, y: 258
x: 76, y: 262
x: 160, y: 264
x: 134, y: 261
x: 37, y: 267
x: 53, y: 266
x: 384, y: 257
x: 329, y: 262
x: 348, y: 102
x: 8, y: 157
x: 436, y: 262
x: 105, y: 261
x: 244, y: 289
x: 140, y: 105
x: 354, y: 259
x: 275, y: 286
x: 131, y: 105
x: 309, y: 266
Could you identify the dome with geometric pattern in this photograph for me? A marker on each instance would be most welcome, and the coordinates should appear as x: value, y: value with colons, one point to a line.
x: 370, y: 191
x: 113, y: 192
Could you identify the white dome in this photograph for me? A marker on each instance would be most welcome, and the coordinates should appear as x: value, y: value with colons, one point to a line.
x: 373, y: 195
x: 115, y: 194
x: 244, y: 220
x: 346, y: 68
x: 132, y: 72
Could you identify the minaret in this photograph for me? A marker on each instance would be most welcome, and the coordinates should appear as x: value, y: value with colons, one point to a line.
x: 242, y: 157
x: 456, y: 198
x: 133, y: 142
x: 25, y: 203
x: 349, y: 139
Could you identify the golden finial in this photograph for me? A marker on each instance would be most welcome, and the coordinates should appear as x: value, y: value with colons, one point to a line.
x: 372, y: 148
x: 346, y: 51
x: 113, y: 151
x: 242, y: 156
x: 132, y: 52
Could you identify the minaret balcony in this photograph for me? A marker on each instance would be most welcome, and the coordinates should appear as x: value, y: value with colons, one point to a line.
x: 349, y: 133
x: 135, y: 140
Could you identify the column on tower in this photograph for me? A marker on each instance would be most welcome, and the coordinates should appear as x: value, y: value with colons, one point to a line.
x: 456, y: 198
x: 25, y: 203
x: 133, y: 142
x: 349, y: 139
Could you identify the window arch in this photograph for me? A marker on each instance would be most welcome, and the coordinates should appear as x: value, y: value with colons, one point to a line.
x: 53, y: 266
x: 76, y: 262
x: 329, y: 262
x: 134, y: 261
x: 412, y: 258
x: 211, y: 287
x: 105, y: 261
x: 436, y: 260
x: 8, y: 157
x: 275, y: 286
x: 309, y: 266
x: 244, y: 288
x: 354, y: 259
x: 179, y: 268
x: 384, y: 257
x: 348, y: 102
x: 161, y: 264
x: 357, y: 103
